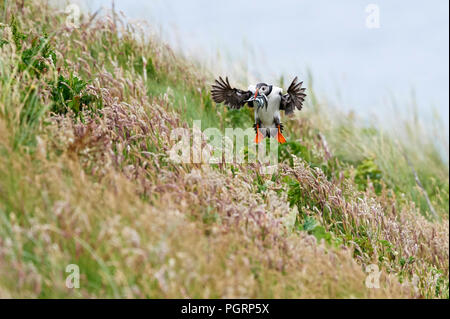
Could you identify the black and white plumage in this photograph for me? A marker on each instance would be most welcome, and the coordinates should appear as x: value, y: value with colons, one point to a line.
x: 294, y: 97
x: 267, y: 100
x: 233, y: 98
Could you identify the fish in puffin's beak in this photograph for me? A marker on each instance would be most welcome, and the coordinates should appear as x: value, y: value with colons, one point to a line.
x: 259, y: 99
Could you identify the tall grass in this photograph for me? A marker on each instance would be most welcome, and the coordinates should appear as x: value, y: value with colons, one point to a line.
x: 85, y: 178
x: 352, y: 142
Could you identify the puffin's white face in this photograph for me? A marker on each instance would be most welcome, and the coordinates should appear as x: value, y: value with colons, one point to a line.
x: 264, y: 89
x: 260, y: 89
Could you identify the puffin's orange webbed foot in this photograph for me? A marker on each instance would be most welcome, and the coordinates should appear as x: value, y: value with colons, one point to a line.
x: 259, y: 136
x: 280, y: 136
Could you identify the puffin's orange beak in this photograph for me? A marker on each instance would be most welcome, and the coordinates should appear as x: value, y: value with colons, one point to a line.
x: 256, y: 94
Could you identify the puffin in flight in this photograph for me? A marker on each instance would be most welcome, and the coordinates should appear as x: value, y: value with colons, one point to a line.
x: 267, y: 101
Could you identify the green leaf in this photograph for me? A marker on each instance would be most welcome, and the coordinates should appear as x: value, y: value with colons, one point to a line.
x: 309, y: 224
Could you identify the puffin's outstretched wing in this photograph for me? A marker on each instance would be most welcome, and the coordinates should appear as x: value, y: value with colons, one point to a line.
x: 293, y: 98
x: 223, y: 92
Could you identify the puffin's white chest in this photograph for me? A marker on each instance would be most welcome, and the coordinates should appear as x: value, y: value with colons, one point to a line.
x: 267, y: 115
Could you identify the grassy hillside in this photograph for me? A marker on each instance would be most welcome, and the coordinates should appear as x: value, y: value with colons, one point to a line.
x: 86, y: 179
